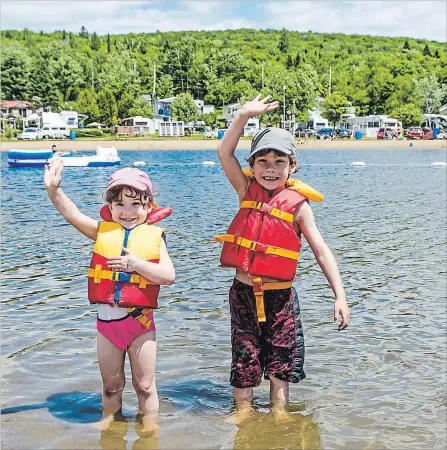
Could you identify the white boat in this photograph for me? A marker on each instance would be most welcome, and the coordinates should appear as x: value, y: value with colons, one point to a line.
x: 104, y: 156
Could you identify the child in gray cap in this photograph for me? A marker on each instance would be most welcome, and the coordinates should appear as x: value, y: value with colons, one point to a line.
x: 263, y: 245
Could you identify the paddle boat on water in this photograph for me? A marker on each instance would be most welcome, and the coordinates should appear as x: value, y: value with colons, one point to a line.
x: 104, y: 156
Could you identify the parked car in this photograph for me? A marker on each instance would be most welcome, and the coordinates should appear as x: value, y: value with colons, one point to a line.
x: 55, y: 132
x: 385, y: 133
x: 343, y: 133
x: 30, y: 133
x: 325, y: 133
x: 415, y: 133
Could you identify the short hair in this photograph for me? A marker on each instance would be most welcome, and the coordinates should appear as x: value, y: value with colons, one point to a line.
x: 292, y: 158
x: 113, y: 194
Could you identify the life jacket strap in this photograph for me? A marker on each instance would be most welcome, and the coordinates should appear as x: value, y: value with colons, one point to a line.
x: 257, y: 246
x: 99, y: 274
x: 140, y: 315
x: 259, y: 287
x: 266, y: 208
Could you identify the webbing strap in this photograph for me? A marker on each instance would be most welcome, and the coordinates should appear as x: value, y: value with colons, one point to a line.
x: 99, y: 274
x: 265, y: 207
x: 257, y: 246
x: 140, y: 315
x: 259, y: 287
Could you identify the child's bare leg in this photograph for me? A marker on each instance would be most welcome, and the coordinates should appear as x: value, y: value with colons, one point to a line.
x: 279, y: 395
x: 243, y: 399
x: 142, y: 355
x: 111, y: 365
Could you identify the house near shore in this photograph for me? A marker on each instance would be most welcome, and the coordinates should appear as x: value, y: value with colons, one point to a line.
x: 142, y: 125
x: 163, y: 107
x: 14, y: 111
x: 370, y: 125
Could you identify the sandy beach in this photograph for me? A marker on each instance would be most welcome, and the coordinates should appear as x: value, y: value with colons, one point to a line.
x: 189, y: 144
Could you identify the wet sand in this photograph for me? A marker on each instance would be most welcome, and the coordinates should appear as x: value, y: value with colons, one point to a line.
x: 211, y: 144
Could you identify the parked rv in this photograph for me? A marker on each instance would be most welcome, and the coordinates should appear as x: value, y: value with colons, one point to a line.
x: 55, y: 132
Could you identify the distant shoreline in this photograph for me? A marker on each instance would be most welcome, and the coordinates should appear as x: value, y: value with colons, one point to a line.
x: 180, y: 144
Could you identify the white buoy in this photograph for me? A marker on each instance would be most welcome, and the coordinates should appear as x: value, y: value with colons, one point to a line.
x: 208, y: 163
x: 358, y: 163
x: 438, y: 164
x: 139, y: 163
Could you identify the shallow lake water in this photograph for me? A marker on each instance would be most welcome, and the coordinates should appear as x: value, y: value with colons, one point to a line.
x: 379, y: 384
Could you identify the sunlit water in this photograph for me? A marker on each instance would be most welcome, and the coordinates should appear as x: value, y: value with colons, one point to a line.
x: 380, y: 384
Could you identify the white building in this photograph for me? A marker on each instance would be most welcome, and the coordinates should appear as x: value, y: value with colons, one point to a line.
x: 142, y: 125
x: 370, y: 125
x: 229, y: 111
x: 171, y: 129
x: 202, y: 108
x: 70, y: 118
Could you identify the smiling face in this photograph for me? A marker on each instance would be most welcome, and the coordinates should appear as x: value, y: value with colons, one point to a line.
x: 272, y: 169
x: 130, y: 208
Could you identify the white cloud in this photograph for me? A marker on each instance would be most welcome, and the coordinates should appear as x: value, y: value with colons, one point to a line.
x: 419, y: 19
x: 386, y: 18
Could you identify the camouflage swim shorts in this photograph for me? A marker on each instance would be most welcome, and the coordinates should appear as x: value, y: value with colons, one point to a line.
x: 274, y: 347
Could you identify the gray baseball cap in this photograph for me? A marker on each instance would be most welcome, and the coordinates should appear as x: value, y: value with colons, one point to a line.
x: 272, y: 138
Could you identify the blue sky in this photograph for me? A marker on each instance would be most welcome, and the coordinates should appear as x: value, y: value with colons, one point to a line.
x: 417, y: 19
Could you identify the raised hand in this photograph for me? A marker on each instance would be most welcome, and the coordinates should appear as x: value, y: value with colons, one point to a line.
x: 258, y: 106
x: 52, y: 177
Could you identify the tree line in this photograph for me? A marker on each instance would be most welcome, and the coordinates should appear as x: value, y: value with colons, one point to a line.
x: 104, y: 76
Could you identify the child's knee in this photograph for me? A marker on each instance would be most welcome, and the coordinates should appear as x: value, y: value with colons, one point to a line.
x: 146, y: 386
x: 114, y: 385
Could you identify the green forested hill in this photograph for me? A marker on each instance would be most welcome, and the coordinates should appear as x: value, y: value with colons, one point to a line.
x: 84, y: 70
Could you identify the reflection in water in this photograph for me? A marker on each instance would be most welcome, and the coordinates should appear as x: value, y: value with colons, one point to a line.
x: 113, y: 437
x: 261, y: 432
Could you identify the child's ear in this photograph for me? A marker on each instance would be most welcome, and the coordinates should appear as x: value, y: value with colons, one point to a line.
x: 292, y: 169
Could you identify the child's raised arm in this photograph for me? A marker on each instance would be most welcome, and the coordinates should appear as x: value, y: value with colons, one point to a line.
x: 69, y: 211
x: 227, y: 146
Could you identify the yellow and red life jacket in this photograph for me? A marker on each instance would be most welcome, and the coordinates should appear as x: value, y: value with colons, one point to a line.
x: 121, y: 288
x: 262, y: 240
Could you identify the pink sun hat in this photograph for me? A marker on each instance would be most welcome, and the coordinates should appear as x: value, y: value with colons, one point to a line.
x: 132, y: 177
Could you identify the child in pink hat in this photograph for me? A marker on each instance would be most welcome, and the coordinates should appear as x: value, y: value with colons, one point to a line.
x: 129, y: 263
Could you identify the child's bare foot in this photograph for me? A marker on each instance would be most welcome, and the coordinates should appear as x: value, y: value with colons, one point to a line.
x: 105, y: 423
x: 239, y: 416
x: 281, y: 416
x: 149, y: 422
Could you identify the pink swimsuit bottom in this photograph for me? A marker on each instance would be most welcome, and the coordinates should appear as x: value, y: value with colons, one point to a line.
x: 122, y: 332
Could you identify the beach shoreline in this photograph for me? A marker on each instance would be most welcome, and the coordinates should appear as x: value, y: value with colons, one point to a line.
x: 190, y: 144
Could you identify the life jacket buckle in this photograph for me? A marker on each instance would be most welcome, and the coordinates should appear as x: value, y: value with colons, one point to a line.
x: 266, y: 208
x: 122, y: 277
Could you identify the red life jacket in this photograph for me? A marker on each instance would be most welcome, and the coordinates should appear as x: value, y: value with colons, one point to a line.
x: 122, y: 288
x: 262, y: 240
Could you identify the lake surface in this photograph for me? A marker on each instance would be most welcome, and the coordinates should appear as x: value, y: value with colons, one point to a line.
x: 379, y: 384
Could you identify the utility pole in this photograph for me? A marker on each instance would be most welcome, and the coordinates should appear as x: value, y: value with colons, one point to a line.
x: 284, y: 106
x: 330, y: 79
x: 262, y: 76
x: 154, y: 107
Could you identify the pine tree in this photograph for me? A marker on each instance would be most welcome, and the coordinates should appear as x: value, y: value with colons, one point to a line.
x: 297, y: 59
x: 83, y: 33
x: 283, y: 44
x: 289, y: 62
x: 64, y: 35
x: 95, y: 43
x: 426, y: 51
x: 406, y: 45
x: 437, y: 54
x: 108, y: 43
